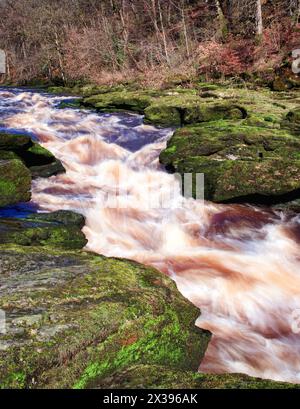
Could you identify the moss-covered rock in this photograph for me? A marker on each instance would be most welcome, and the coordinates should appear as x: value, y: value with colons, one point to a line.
x: 89, y: 317
x: 39, y: 160
x: 190, y: 109
x: 71, y: 103
x: 14, y: 142
x: 65, y: 217
x: 238, y: 161
x: 47, y: 170
x: 213, y: 112
x: 58, y: 229
x: 163, y: 115
x: 134, y: 101
x: 21, y: 159
x: 15, y: 182
x: 79, y: 320
x: 166, y: 108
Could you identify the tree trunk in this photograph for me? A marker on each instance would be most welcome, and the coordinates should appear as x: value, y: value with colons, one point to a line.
x: 259, y: 21
x: 222, y: 19
x: 243, y: 17
x: 185, y: 30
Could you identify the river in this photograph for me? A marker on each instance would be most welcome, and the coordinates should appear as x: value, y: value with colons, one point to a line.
x: 239, y: 264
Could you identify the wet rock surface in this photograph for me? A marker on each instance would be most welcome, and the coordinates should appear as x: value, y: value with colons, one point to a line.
x: 29, y: 156
x: 254, y: 159
x: 79, y: 320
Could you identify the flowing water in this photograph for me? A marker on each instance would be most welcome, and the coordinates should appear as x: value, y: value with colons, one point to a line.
x: 238, y: 264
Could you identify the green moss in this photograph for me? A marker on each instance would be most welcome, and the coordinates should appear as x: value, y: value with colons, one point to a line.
x: 168, y: 349
x: 61, y: 237
x: 8, y: 188
x: 15, y: 182
x: 14, y: 142
x: 212, y: 112
x: 38, y: 150
x: 237, y: 160
x: 58, y: 229
x: 163, y: 115
x: 119, y: 100
x: 15, y: 380
x: 8, y: 155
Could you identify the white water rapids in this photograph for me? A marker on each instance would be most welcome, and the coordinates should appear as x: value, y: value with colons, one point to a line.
x: 239, y: 264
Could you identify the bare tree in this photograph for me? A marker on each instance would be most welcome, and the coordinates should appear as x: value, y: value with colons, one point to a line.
x: 243, y: 17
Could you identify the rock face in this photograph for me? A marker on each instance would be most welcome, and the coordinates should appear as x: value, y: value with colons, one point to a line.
x: 77, y: 319
x: 251, y: 159
x: 20, y: 160
x: 191, y: 111
x: 239, y: 162
x: 15, y: 182
x: 166, y: 108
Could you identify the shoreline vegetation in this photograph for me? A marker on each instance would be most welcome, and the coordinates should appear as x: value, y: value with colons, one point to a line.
x: 153, y: 43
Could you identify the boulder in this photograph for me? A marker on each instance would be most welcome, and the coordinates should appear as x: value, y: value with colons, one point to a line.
x: 65, y: 217
x: 39, y: 160
x: 166, y: 108
x: 177, y: 111
x: 15, y: 182
x: 47, y: 170
x: 58, y: 229
x: 240, y: 163
x: 114, y: 101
